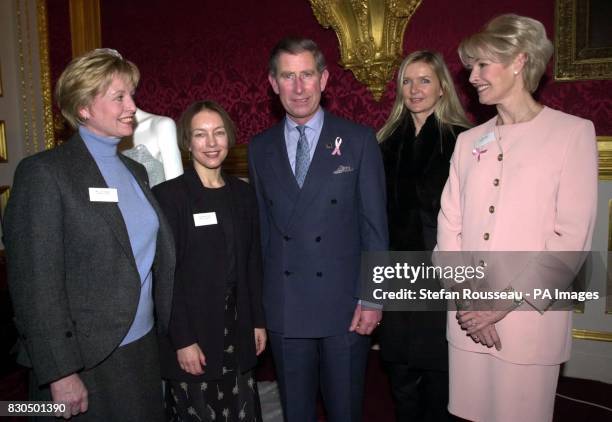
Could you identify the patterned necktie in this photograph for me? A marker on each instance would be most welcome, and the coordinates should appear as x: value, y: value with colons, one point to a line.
x: 302, y: 156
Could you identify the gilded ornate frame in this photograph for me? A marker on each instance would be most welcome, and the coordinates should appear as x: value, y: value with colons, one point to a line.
x: 575, y: 57
x: 609, y: 271
x: 5, y: 192
x: 3, y: 151
x: 604, y: 149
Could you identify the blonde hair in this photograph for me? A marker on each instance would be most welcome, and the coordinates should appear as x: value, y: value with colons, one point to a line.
x: 504, y: 38
x: 88, y: 75
x: 448, y: 109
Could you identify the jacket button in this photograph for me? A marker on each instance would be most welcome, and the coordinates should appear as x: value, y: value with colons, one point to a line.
x: 500, y: 157
x: 318, y: 239
x: 495, y: 182
x: 319, y: 274
x: 68, y: 334
x: 287, y: 273
x: 287, y: 238
x: 485, y: 236
x: 334, y: 202
x: 491, y: 209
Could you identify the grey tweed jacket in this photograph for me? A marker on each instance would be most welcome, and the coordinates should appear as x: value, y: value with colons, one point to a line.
x: 72, y: 274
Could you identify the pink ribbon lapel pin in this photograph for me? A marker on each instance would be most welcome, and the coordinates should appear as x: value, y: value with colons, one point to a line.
x: 479, y: 145
x: 336, y: 150
x: 476, y: 152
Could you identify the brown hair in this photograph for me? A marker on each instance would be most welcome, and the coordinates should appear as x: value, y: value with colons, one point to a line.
x: 291, y: 45
x: 184, y: 122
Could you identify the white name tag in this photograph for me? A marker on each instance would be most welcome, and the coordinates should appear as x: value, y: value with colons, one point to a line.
x: 103, y: 195
x: 486, y: 139
x: 205, y: 219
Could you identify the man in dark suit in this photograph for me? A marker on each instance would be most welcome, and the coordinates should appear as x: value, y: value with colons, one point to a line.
x: 321, y: 196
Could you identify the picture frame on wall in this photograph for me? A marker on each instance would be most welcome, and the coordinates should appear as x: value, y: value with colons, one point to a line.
x: 5, y: 192
x: 604, y: 152
x: 609, y: 272
x: 583, y: 40
x: 3, y: 150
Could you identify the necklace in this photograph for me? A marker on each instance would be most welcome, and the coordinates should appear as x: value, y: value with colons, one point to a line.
x: 527, y: 116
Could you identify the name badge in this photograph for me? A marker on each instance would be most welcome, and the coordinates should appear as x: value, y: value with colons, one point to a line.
x: 486, y: 139
x: 205, y: 219
x: 103, y: 195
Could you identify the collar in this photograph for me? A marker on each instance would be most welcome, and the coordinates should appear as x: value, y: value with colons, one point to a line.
x: 99, y: 146
x: 315, y: 123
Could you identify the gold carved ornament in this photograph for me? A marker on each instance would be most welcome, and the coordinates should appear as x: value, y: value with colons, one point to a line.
x: 370, y: 34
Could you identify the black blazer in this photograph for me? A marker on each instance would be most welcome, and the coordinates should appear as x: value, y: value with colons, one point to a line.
x: 200, y: 277
x: 72, y: 275
x: 416, y: 170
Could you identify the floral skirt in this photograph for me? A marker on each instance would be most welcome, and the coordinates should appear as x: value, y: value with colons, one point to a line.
x: 233, y: 397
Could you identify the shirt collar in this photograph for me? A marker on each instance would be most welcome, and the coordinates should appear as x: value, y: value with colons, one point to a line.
x: 315, y: 123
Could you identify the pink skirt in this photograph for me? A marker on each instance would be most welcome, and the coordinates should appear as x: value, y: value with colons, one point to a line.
x: 486, y: 388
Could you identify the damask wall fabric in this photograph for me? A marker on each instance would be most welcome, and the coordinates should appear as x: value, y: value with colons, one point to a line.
x: 219, y: 50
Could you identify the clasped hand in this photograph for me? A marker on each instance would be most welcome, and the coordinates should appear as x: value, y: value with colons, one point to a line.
x: 480, y: 325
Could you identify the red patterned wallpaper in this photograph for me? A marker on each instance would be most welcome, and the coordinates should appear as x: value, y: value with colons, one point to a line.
x: 194, y: 49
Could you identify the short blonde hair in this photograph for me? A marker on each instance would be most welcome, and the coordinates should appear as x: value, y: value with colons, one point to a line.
x: 88, y: 75
x: 507, y: 36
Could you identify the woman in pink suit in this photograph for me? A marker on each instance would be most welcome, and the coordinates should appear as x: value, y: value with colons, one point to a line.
x: 526, y: 180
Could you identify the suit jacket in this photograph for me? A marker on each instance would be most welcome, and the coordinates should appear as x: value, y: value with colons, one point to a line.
x: 416, y: 168
x: 534, y: 190
x: 312, y: 238
x: 198, y: 307
x: 72, y: 275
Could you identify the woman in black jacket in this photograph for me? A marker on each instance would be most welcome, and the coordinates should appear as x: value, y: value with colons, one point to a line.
x: 417, y: 142
x: 217, y: 326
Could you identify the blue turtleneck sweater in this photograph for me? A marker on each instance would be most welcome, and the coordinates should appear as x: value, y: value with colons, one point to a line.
x: 140, y: 220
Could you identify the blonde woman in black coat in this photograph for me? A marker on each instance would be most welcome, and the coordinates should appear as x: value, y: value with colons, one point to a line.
x: 417, y: 142
x: 217, y: 325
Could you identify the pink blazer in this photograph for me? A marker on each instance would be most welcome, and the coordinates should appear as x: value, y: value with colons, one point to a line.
x: 533, y: 189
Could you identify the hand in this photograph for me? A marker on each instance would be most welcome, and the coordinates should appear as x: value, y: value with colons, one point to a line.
x: 473, y: 321
x: 365, y: 320
x: 72, y: 392
x: 488, y: 336
x: 191, y: 359
x: 260, y: 340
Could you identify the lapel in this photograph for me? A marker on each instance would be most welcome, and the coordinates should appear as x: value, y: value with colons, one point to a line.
x: 164, y: 245
x: 236, y: 209
x: 277, y: 157
x: 195, y: 193
x: 87, y: 175
x: 320, y: 170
